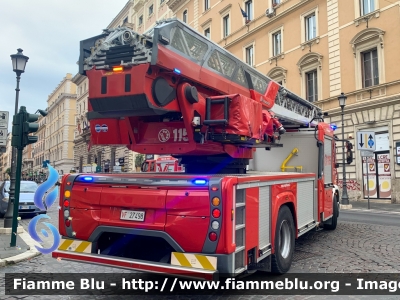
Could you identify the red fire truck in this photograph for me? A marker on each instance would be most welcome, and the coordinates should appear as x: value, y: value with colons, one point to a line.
x: 162, y: 164
x: 173, y: 91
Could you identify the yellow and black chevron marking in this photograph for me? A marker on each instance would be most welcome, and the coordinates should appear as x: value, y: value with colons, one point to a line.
x: 194, y: 261
x: 75, y: 246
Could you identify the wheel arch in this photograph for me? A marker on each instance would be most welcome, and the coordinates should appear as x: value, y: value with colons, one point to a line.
x: 283, y: 199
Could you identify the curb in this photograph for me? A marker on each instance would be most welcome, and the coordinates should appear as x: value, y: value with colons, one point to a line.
x: 32, y: 252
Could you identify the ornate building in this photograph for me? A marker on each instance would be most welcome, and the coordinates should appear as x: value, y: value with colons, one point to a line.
x: 60, y: 125
x: 319, y: 49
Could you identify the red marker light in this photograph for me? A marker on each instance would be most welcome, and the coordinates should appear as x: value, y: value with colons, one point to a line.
x: 66, y: 203
x: 212, y: 236
x: 68, y: 183
x: 216, y: 213
x: 67, y: 223
x: 214, y: 188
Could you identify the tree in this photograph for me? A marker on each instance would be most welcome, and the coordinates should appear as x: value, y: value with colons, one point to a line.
x: 8, y: 171
x: 139, y: 159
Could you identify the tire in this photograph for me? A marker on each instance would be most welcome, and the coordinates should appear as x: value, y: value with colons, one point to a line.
x: 333, y: 222
x: 284, y: 242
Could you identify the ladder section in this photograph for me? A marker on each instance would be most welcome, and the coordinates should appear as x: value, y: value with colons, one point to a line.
x: 293, y: 109
x: 240, y: 229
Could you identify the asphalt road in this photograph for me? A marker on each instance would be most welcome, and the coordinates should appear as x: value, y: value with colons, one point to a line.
x: 370, y: 217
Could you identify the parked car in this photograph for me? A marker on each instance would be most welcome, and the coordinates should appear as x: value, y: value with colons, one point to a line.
x: 26, y: 194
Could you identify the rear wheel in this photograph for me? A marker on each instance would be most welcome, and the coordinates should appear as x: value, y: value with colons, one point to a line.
x: 333, y: 223
x: 284, y: 242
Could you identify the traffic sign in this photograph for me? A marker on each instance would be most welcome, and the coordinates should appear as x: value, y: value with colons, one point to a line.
x: 366, y: 153
x: 366, y: 140
x: 4, y: 119
x: 3, y: 136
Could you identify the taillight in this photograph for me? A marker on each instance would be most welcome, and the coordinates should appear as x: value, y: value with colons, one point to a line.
x: 215, y: 201
x: 66, y: 203
x: 216, y: 213
x: 212, y: 236
x: 67, y: 223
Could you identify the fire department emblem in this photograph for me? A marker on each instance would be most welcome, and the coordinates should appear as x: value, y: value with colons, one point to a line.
x: 163, y: 135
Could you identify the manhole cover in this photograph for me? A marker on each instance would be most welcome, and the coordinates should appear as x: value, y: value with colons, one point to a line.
x: 300, y: 255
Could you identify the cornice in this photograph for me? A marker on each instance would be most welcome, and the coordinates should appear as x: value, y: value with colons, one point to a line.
x: 173, y: 4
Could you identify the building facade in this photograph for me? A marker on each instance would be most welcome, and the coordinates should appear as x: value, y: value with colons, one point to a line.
x: 319, y: 49
x: 27, y: 163
x: 6, y: 159
x: 39, y: 151
x: 60, y: 126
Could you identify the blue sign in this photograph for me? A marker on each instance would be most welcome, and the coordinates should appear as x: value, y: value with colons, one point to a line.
x: 371, y: 143
x: 97, y: 128
x: 49, y: 201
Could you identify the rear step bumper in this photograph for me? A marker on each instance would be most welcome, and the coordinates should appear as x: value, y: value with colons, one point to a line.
x: 138, y: 265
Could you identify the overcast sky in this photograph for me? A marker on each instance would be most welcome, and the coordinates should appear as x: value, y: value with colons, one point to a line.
x: 49, y: 32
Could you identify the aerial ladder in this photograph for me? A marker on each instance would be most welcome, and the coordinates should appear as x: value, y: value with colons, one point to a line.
x: 173, y: 91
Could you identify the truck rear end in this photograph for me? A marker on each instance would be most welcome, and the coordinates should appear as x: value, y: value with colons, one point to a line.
x: 140, y: 221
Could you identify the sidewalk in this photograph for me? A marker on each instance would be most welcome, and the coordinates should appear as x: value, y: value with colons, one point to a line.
x: 25, y: 248
x: 375, y: 205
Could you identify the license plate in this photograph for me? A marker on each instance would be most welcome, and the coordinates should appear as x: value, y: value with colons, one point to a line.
x: 24, y: 207
x: 132, y: 215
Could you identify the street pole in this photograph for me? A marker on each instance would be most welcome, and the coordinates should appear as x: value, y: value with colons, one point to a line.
x: 16, y: 203
x: 345, y: 198
x: 8, y: 218
x: 366, y: 166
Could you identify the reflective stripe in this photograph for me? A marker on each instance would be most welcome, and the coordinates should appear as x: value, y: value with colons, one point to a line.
x: 75, y: 246
x: 197, y: 261
x: 64, y: 245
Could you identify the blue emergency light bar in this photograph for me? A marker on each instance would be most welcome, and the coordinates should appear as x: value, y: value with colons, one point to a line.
x: 200, y: 181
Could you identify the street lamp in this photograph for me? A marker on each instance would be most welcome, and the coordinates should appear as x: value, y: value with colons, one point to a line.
x: 18, y: 62
x: 345, y: 199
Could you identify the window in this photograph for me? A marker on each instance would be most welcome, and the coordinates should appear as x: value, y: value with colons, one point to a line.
x: 368, y: 50
x: 250, y: 55
x: 125, y: 20
x: 162, y: 1
x: 140, y: 20
x: 206, y: 5
x: 249, y: 9
x: 207, y: 33
x: 370, y: 71
x: 225, y: 26
x: 310, y: 66
x: 311, y: 27
x: 277, y: 43
x: 151, y: 10
x: 366, y: 7
x: 275, y: 2
x: 184, y: 17
x: 278, y: 74
x: 312, y: 86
